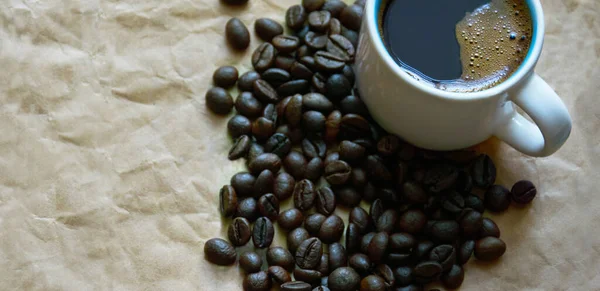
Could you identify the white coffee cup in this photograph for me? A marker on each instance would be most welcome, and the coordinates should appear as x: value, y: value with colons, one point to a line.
x: 435, y: 119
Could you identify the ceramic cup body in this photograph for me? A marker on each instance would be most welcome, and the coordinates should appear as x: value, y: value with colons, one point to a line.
x: 440, y: 120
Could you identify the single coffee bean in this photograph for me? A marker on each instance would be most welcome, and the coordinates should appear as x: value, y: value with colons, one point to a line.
x: 314, y: 148
x: 318, y: 102
x: 440, y: 177
x: 268, y: 206
x: 295, y: 164
x: 315, y: 41
x: 278, y: 144
x: 295, y: 286
x: 351, y: 35
x: 337, y: 172
x: 267, y: 28
x: 353, y: 104
x: 337, y: 256
x: 308, y: 61
x: 263, y: 128
x: 295, y: 17
x: 351, y: 152
x: 422, y: 250
x: 489, y: 228
x: 465, y: 252
x: 290, y: 219
x: 265, y: 92
x: 247, y: 208
x: 360, y: 263
x: 337, y: 87
x: 445, y: 255
x: 523, y: 192
x: 245, y: 83
x: 219, y: 101
x: 285, y: 43
x: 246, y: 104
x: 250, y: 262
x: 300, y: 71
x: 376, y: 210
x: 387, y: 221
x: 372, y: 283
x: 309, y: 253
x: 227, y: 201
x: 312, y: 277
x: 279, y: 274
x: 348, y: 196
x: 352, y: 238
x: 270, y: 113
x: 259, y: 281
x: 254, y: 151
x: 351, y: 17
x: 388, y: 145
x: 365, y: 241
x: 340, y: 46
x: 334, y: 7
x: 314, y: 169
x: 323, y: 266
x: 353, y: 127
x: 279, y: 256
x: 225, y: 76
x: 427, y: 272
x: 474, y: 202
x: 325, y: 201
x: 239, y: 232
x: 332, y: 229
x: 284, y: 186
x: 358, y: 178
x: 312, y: 5
x: 284, y: 62
x: 331, y: 157
x: 378, y: 247
x: 281, y: 108
x: 243, y: 183
x: 266, y: 161
x: 262, y: 232
x: 335, y: 27
x: 318, y: 81
x: 489, y: 248
x: 329, y: 62
x: 453, y: 203
x: 293, y: 111
x: 237, y: 34
x: 361, y: 218
x: 219, y: 252
x: 239, y: 125
x: 343, y: 279
x: 385, y: 272
x: 453, y: 278
x: 263, y: 57
x: 313, y: 223
x: 319, y: 20
x: 414, y: 193
x: 471, y: 223
x: 412, y: 221
x: 483, y: 171
x: 294, y: 87
x: 313, y: 121
x: 445, y: 231
x: 276, y: 76
x: 240, y: 148
x: 403, y: 276
x: 304, y: 195
x: 497, y: 198
x: 402, y: 241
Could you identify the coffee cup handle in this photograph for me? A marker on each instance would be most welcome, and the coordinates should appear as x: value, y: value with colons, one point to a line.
x: 552, y: 124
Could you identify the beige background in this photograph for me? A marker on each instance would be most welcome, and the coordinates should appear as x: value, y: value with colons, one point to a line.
x: 110, y: 164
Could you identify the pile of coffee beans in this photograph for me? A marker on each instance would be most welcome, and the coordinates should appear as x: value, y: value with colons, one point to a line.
x: 306, y: 135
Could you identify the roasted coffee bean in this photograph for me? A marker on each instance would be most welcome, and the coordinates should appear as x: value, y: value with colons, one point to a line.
x: 475, y: 203
x: 227, y: 201
x: 353, y: 104
x: 278, y: 144
x: 351, y: 17
x: 295, y: 17
x: 309, y: 253
x: 388, y: 145
x: 440, y: 177
x: 483, y: 171
x: 489, y: 228
x: 276, y: 76
x: 334, y: 7
x: 497, y: 198
x: 329, y: 62
x: 239, y: 232
x: 323, y: 266
x: 313, y: 121
x: 365, y: 241
x: 414, y: 193
x: 225, y: 76
x: 246, y: 104
x: 427, y: 272
x: 348, y: 196
x: 263, y: 128
x: 361, y: 218
x: 285, y: 43
x: 319, y: 20
x: 335, y: 27
x: 308, y: 62
x: 240, y: 147
x: 464, y: 183
x: 376, y: 168
x: 386, y: 273
x: 314, y: 148
x: 360, y: 263
x: 284, y: 62
x: 290, y: 219
x: 237, y: 35
x: 445, y: 231
x: 295, y: 286
x: 454, y: 278
x: 295, y: 164
x: 372, y: 283
x: 337, y: 172
x: 314, y: 169
x: 445, y: 255
x: 268, y: 206
x: 351, y: 152
x: 337, y: 256
x: 523, y: 192
x: 300, y: 71
x: 304, y: 51
x: 243, y: 183
x: 343, y: 279
x: 332, y: 229
x: 294, y: 87
x: 278, y: 256
x: 376, y: 210
x: 312, y: 5
x: 352, y: 238
x: 259, y: 281
x: 465, y: 252
x: 304, y: 195
x: 403, y: 276
x: 387, y: 221
x: 250, y: 262
x: 265, y: 92
x: 325, y: 201
x: 489, y: 248
x: 219, y: 252
x: 279, y: 274
x: 422, y: 250
x: 254, y: 151
x: 332, y: 157
x: 263, y: 57
x: 453, y: 203
x: 351, y: 35
x: 319, y: 83
x: 267, y: 28
x: 353, y: 127
x: 312, y: 277
x: 239, y: 125
x: 402, y: 242
x: 316, y: 42
x: 337, y: 87
x: 247, y: 208
x: 219, y: 101
x: 318, y: 102
x: 245, y: 83
x: 471, y: 223
x: 284, y: 186
x: 262, y: 232
x: 313, y: 223
x: 378, y: 247
x: 293, y: 110
x: 340, y: 46
x: 266, y: 161
x: 358, y: 177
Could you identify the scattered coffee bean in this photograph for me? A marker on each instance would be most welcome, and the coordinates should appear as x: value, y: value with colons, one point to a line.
x: 402, y: 242
x: 227, y: 201
x: 352, y: 104
x: 351, y: 35
x: 414, y: 193
x: 262, y: 233
x: 262, y: 128
x: 245, y: 103
x: 378, y: 247
x: 239, y: 232
x: 265, y: 92
x: 334, y: 7
x: 329, y: 62
x: 361, y: 218
x: 343, y: 279
x: 352, y: 238
x: 313, y: 223
x: 267, y: 28
x: 225, y: 76
x: 309, y: 253
x: 285, y: 43
x: 263, y: 57
x: 308, y: 61
x: 337, y: 256
x: 387, y: 221
x: 259, y: 281
x: 323, y: 266
x: 353, y: 127
x: 412, y: 221
x: 332, y: 229
x: 454, y: 278
x: 427, y: 272
x: 340, y: 46
x: 237, y: 33
x: 337, y: 172
x: 304, y: 195
x: 312, y: 5
x: 445, y: 255
x: 372, y: 283
x: 331, y: 157
x: 239, y: 125
x: 475, y: 203
x: 268, y: 205
x: 313, y: 121
x: 348, y: 196
x: 351, y: 152
x: 471, y: 223
x: 386, y: 273
x: 361, y: 263
x: 314, y: 169
x: 284, y: 62
x: 351, y: 17
x: 276, y: 76
x: 266, y: 161
x: 338, y: 87
x: 325, y: 201
x: 312, y: 277
x: 497, y: 198
x: 293, y: 110
x: 278, y: 144
x: 219, y: 101
x: 245, y: 83
x: 250, y: 262
x: 445, y: 231
x: 358, y: 177
x: 295, y: 286
x: 465, y: 252
x: 318, y: 102
x: 440, y: 177
x: 294, y: 87
x: 421, y: 251
x: 284, y: 186
x: 315, y: 41
x: 300, y: 71
x: 335, y: 27
x: 403, y: 276
x: 219, y: 252
x: 295, y: 17
x: 489, y: 228
x: 240, y: 148
x: 365, y: 241
x: 314, y: 148
x: 290, y: 219
x: 318, y: 81
x: 278, y: 256
x: 295, y: 164
x: 489, y: 248
x: 279, y: 274
x: 523, y: 192
x: 483, y: 171
x: 319, y: 20
x: 247, y: 209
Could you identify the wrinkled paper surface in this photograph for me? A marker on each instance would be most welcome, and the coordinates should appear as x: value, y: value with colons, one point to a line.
x: 110, y: 164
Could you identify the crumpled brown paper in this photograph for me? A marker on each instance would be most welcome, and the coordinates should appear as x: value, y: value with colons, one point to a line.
x: 110, y: 164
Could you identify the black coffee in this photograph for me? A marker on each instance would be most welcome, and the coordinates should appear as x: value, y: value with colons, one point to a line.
x: 462, y: 46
